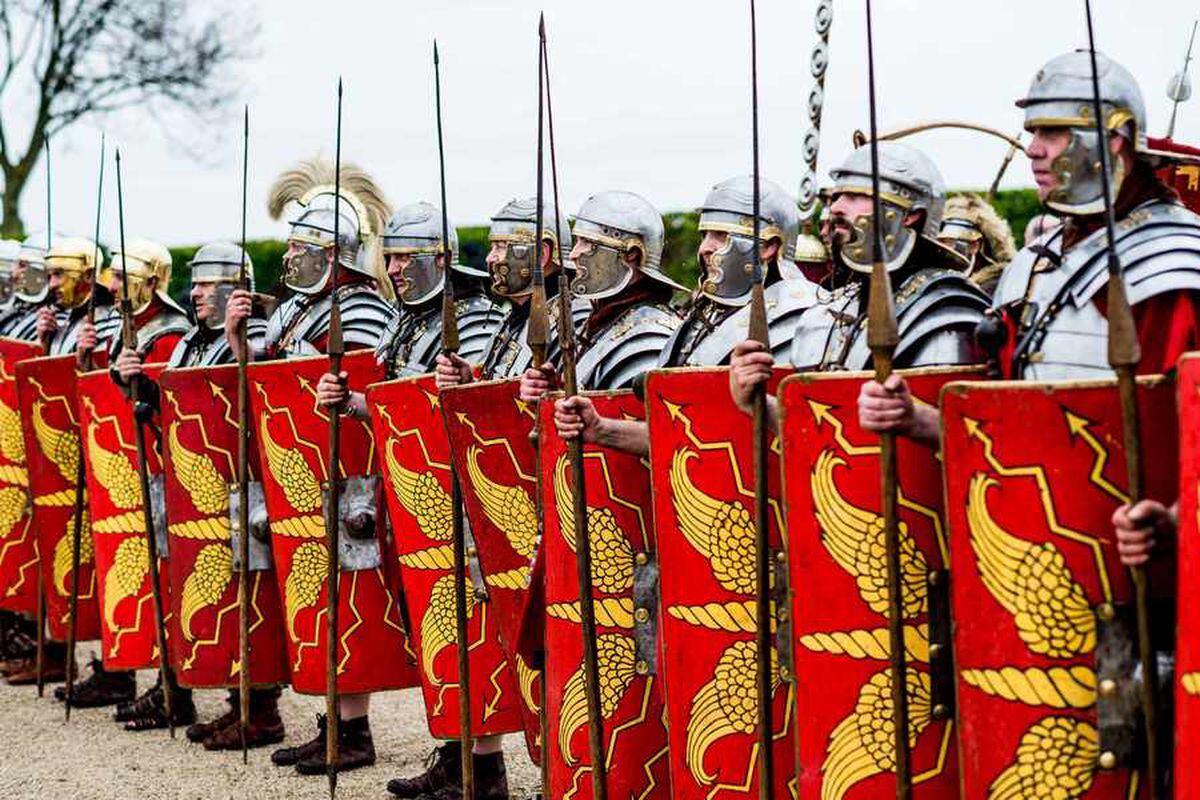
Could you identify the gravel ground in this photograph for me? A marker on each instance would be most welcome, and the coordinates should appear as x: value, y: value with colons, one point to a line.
x: 91, y: 758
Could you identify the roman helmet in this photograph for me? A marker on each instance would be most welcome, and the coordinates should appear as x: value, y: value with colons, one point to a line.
x: 729, y: 208
x: 32, y: 283
x: 908, y: 182
x: 614, y: 224
x: 976, y: 231
x: 1061, y: 96
x: 140, y: 261
x: 220, y: 263
x: 361, y: 211
x: 416, y: 230
x: 513, y: 228
x: 9, y: 250
x: 73, y: 258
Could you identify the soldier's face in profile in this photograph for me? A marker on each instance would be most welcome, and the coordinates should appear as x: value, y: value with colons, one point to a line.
x: 712, y: 242
x: 1047, y: 145
x: 845, y: 209
x: 397, y: 263
x: 203, y: 296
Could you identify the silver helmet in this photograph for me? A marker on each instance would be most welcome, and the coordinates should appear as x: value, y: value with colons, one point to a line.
x: 614, y: 223
x: 32, y: 284
x: 513, y: 228
x: 908, y: 182
x: 1061, y: 96
x: 308, y: 271
x: 729, y: 208
x: 416, y: 230
x: 9, y: 250
x: 220, y: 263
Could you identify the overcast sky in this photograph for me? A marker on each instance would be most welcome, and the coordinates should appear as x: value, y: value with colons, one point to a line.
x: 650, y: 96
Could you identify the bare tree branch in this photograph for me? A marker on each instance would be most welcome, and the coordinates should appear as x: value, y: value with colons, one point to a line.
x: 89, y: 57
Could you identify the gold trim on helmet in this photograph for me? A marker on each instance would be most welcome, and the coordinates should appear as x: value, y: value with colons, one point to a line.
x: 623, y: 245
x: 434, y: 250
x: 765, y: 232
x: 1116, y: 118
x: 887, y: 197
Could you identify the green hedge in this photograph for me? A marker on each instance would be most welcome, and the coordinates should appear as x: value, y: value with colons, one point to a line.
x: 1018, y: 206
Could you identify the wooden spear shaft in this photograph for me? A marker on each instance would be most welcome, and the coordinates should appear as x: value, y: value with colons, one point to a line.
x: 85, y: 364
x: 450, y: 344
x: 882, y: 339
x: 129, y: 341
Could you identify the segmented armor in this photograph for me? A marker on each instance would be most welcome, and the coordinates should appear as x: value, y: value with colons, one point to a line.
x: 299, y: 325
x: 413, y: 337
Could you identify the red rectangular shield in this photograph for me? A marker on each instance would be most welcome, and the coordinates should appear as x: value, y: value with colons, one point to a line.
x: 48, y: 402
x: 831, y: 484
x: 1033, y: 473
x: 488, y: 427
x: 416, y: 469
x: 200, y: 429
x: 293, y: 439
x: 18, y: 544
x: 1187, y: 663
x: 701, y: 460
x: 620, y: 517
x: 115, y: 500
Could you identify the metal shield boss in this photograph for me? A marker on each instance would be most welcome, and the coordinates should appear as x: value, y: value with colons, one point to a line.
x: 200, y: 445
x: 1045, y: 637
x: 838, y: 567
x: 48, y: 403
x: 488, y: 427
x: 115, y: 504
x: 624, y: 588
x: 1187, y: 666
x: 415, y: 462
x: 293, y: 444
x: 18, y: 546
x: 702, y: 466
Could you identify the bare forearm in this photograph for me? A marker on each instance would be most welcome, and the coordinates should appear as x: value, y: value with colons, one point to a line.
x: 627, y: 435
x: 925, y: 428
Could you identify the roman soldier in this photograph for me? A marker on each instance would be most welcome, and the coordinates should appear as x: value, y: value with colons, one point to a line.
x: 684, y: 572
x: 979, y: 234
x: 1049, y: 324
x: 416, y: 265
x: 617, y: 258
x: 18, y: 320
x: 718, y: 317
x: 215, y: 270
x: 70, y: 268
x: 510, y: 261
x: 300, y: 327
x: 159, y: 323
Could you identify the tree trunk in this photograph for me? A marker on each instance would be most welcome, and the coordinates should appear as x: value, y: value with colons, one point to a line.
x: 11, y: 227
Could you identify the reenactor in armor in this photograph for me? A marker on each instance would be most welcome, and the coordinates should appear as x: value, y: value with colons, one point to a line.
x: 215, y: 270
x: 1031, y: 333
x: 720, y: 310
x: 18, y: 318
x: 416, y: 265
x: 937, y: 307
x: 412, y: 245
x: 510, y: 262
x: 299, y: 327
x: 70, y: 267
x: 973, y: 228
x: 159, y: 324
x: 617, y: 255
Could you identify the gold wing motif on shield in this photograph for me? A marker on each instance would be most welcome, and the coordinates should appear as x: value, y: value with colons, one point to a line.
x: 509, y: 508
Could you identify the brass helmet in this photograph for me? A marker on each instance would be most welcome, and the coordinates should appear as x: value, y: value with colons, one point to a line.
x: 9, y: 250
x: 140, y: 261
x: 72, y: 258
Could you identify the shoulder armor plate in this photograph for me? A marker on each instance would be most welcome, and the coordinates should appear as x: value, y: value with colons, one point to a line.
x: 630, y: 346
x: 786, y: 300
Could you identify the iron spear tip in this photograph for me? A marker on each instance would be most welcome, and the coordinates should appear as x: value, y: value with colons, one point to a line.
x: 542, y: 26
x: 435, y: 52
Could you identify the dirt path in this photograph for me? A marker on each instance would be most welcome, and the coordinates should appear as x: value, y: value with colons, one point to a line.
x: 93, y: 759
